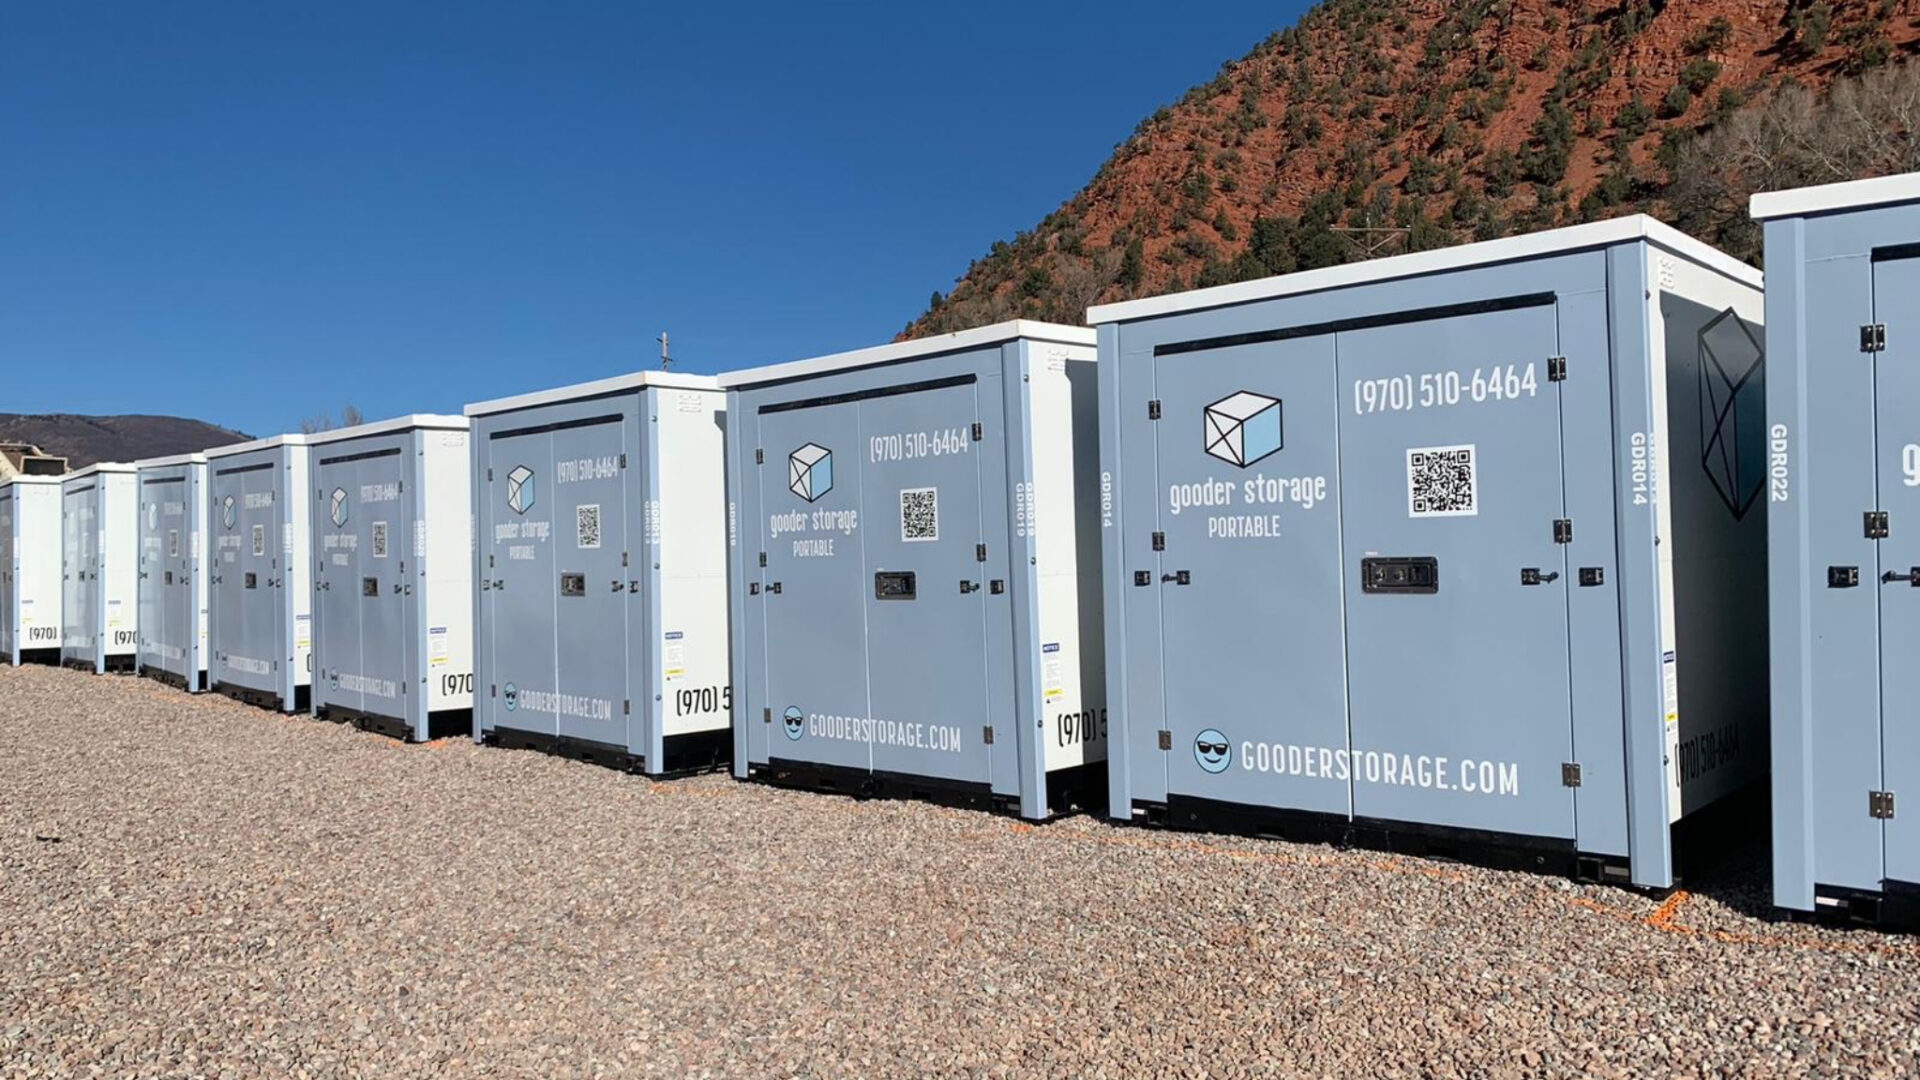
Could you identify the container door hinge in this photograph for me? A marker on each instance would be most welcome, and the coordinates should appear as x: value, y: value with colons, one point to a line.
x: 986, y: 735
x: 1563, y: 531
x: 1873, y: 338
x: 1556, y: 369
x: 493, y: 690
x: 766, y: 715
x: 1153, y: 409
x: 1159, y: 541
x: 979, y: 553
x: 626, y: 706
x: 1166, y: 739
x: 763, y: 558
x: 623, y: 558
x: 1876, y: 524
x: 623, y: 461
x: 1569, y: 774
x: 979, y: 432
x: 1880, y: 805
x: 489, y: 474
x: 759, y: 457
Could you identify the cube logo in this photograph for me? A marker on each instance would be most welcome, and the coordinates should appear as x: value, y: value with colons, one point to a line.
x: 810, y: 471
x: 337, y: 507
x: 1243, y: 428
x: 520, y: 489
x: 226, y: 512
x: 1733, y: 407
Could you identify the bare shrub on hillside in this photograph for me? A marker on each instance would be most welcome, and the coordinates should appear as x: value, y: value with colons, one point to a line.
x: 1865, y: 126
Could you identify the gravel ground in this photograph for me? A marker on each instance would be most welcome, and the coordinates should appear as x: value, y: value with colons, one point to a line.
x: 191, y: 887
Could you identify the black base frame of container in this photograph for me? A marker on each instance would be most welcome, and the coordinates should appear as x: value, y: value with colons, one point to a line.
x: 178, y: 682
x: 440, y: 725
x: 687, y: 755
x: 265, y: 699
x: 1069, y: 790
x: 38, y: 656
x: 1497, y: 850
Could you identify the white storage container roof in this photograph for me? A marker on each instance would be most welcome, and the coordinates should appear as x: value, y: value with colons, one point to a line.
x: 168, y: 462
x: 430, y: 421
x: 1598, y: 234
x: 257, y: 444
x: 99, y: 467
x: 978, y: 337
x: 1847, y: 195
x: 25, y: 478
x: 637, y: 380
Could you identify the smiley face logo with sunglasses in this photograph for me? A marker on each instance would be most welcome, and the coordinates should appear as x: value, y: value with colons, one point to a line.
x: 1212, y: 750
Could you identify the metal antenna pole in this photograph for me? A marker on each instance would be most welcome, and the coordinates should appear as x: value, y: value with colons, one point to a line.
x: 666, y: 361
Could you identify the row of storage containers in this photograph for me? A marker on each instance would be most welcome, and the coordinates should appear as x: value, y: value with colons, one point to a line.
x: 1460, y: 552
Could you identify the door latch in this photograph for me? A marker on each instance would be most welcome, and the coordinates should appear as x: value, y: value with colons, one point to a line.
x: 1178, y: 577
x: 1911, y: 577
x: 1532, y: 576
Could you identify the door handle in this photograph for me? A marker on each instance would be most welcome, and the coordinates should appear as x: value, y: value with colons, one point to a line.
x: 618, y: 585
x: 1911, y: 577
x: 1532, y: 576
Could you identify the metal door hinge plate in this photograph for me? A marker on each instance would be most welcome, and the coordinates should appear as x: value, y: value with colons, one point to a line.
x: 1153, y: 409
x: 1142, y: 577
x: 489, y: 474
x: 623, y: 461
x: 1592, y: 575
x: 1159, y: 541
x: 979, y: 553
x: 1880, y: 805
x: 979, y: 431
x: 759, y: 457
x: 1873, y: 338
x: 1569, y: 774
x: 1556, y: 369
x: 766, y: 716
x: 986, y: 735
x: 1166, y: 739
x: 1875, y: 524
x: 1563, y: 531
x: 626, y: 706
x: 763, y: 558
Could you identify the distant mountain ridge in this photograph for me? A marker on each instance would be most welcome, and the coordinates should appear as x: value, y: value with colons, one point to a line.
x: 88, y: 440
x: 1376, y: 127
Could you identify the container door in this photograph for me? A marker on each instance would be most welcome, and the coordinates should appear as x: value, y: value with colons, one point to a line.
x: 1457, y: 629
x: 521, y: 560
x: 264, y: 648
x: 1896, y: 294
x: 150, y: 581
x: 1255, y: 676
x: 227, y: 615
x: 9, y: 618
x: 339, y: 592
x: 815, y: 585
x: 385, y: 583
x: 180, y: 602
x: 589, y: 538
x: 927, y: 584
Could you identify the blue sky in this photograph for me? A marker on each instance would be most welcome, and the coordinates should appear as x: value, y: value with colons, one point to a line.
x: 252, y: 212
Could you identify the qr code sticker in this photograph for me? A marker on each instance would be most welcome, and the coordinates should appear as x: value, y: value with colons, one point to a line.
x: 588, y: 520
x: 919, y: 514
x: 379, y: 539
x: 259, y: 540
x: 1442, y: 481
x: 173, y: 543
